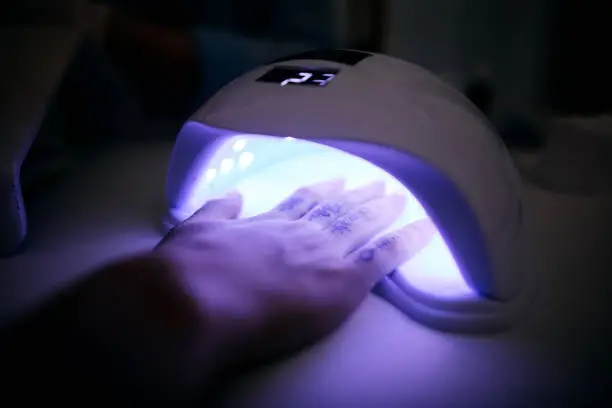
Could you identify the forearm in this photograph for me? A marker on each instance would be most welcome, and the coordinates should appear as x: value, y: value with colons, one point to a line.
x: 131, y: 332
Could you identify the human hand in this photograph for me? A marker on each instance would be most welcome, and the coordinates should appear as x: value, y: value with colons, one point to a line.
x: 282, y: 280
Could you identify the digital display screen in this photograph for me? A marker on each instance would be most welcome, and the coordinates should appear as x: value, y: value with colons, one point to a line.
x: 286, y: 76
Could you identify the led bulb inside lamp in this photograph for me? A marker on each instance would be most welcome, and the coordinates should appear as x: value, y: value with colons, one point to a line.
x: 265, y: 170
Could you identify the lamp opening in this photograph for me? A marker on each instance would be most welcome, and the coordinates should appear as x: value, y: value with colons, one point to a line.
x: 267, y: 169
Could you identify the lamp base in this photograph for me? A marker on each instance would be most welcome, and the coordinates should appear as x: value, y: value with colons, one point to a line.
x: 466, y: 316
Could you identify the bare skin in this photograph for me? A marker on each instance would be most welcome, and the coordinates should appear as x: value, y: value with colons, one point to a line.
x: 218, y: 295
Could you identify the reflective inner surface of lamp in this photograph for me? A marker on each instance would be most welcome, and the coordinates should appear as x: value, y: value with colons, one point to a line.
x: 268, y: 169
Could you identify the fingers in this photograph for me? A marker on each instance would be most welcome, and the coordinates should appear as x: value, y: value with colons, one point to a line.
x: 389, y: 252
x: 226, y: 208
x: 329, y: 210
x: 354, y: 229
x: 303, y: 200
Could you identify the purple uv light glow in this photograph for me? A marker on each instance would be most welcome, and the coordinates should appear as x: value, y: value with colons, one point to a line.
x: 268, y: 169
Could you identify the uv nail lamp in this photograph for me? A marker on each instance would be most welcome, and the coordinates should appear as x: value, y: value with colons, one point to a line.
x: 340, y: 113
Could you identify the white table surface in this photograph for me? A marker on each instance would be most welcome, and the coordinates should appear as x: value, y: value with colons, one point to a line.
x: 557, y: 356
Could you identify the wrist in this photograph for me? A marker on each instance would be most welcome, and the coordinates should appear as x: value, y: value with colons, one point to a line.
x: 214, y: 345
x: 140, y: 314
x: 222, y: 324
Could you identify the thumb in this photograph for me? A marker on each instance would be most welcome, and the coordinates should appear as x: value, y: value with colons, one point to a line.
x: 224, y: 208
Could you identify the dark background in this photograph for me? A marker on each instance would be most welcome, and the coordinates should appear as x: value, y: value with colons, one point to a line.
x: 580, y: 69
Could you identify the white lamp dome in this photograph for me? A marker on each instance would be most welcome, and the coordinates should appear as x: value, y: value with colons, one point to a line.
x: 364, y: 117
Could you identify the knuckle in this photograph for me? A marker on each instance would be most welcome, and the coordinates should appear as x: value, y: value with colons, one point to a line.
x: 290, y: 203
x: 390, y: 248
x: 390, y: 243
x: 366, y: 255
x: 366, y: 212
x: 345, y: 223
x: 304, y: 191
x: 382, y: 252
x: 308, y: 194
x: 300, y: 202
x: 327, y: 210
x: 341, y: 226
